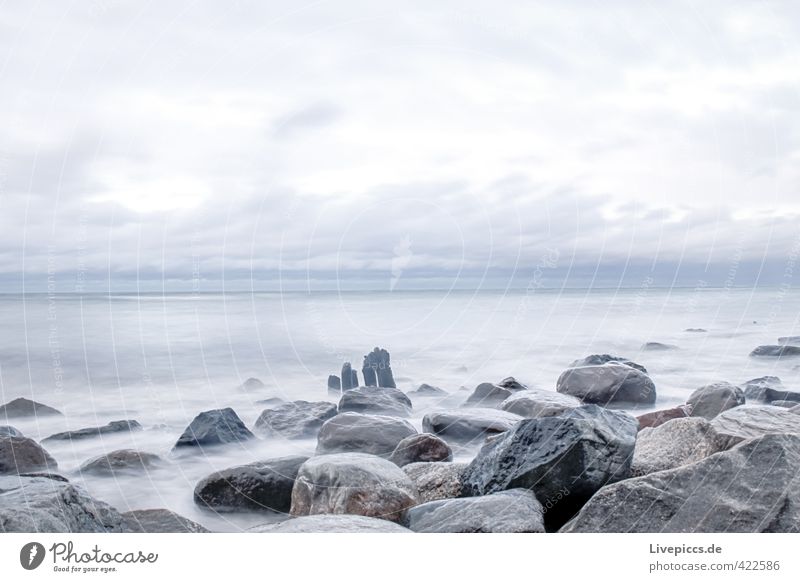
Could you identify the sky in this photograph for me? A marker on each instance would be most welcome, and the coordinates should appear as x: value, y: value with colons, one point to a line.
x: 322, y: 145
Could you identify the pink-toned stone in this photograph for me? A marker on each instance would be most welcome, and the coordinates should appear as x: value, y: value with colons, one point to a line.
x: 659, y: 417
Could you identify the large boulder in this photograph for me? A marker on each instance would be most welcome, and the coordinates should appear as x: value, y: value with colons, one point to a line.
x: 611, y: 383
x: 659, y: 417
x: 434, y: 481
x: 420, y: 448
x: 22, y: 407
x: 782, y: 351
x: 658, y: 347
x: 708, y: 401
x: 44, y: 505
x: 768, y: 389
x: 266, y: 485
x: 600, y: 359
x: 536, y: 402
x: 568, y: 457
x: 10, y: 431
x: 427, y: 390
x: 377, y: 369
x: 488, y: 395
x: 673, y: 444
x: 122, y: 461
x: 750, y: 488
x: 295, y: 420
x: 160, y: 521
x: 790, y: 339
x: 115, y: 426
x: 332, y: 524
x: 364, y: 433
x: 512, y: 511
x: 375, y: 400
x: 23, y: 455
x: 352, y: 483
x: 468, y: 424
x: 747, y: 422
x: 214, y: 427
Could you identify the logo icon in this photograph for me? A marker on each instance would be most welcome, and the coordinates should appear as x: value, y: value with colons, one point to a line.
x: 31, y: 555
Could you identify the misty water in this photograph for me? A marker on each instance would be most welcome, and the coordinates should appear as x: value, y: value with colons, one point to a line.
x: 163, y: 359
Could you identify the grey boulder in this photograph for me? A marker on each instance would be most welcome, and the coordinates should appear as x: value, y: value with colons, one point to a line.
x: 352, y: 483
x: 332, y: 524
x: 417, y: 448
x: 295, y: 420
x: 252, y: 384
x: 214, y: 427
x: 23, y: 455
x: 122, y: 461
x: 442, y: 480
x: 600, y: 359
x: 468, y: 424
x: 658, y: 347
x: 365, y: 433
x: 115, y: 426
x: 10, y: 431
x: 376, y: 400
x: 160, y: 521
x: 673, y: 444
x: 767, y: 389
x: 536, y: 402
x: 747, y: 422
x: 790, y: 339
x: 611, y: 383
x: 23, y: 407
x: 428, y: 390
x: 488, y: 395
x: 512, y: 511
x: 708, y: 401
x: 781, y: 351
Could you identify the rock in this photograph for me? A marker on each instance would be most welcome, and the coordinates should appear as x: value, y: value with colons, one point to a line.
x: 783, y: 403
x: 160, y: 521
x: 768, y: 388
x: 673, y: 444
x: 536, y: 402
x: 295, y: 420
x: 274, y: 401
x: 333, y: 524
x: 608, y: 384
x: 783, y: 351
x: 427, y: 390
x: 790, y: 340
x: 377, y: 369
x: 23, y: 455
x: 420, y: 448
x: 251, y: 384
x: 334, y: 385
x: 512, y: 384
x: 441, y: 480
x: 658, y: 347
x: 708, y: 401
x: 750, y: 488
x: 747, y: 422
x: 512, y: 511
x: 214, y: 427
x: 365, y: 433
x: 112, y: 427
x: 266, y: 485
x: 352, y: 483
x: 696, y: 330
x: 600, y: 359
x: 45, y: 505
x: 465, y: 425
x: 488, y: 395
x: 22, y: 407
x: 122, y: 461
x: 568, y: 457
x: 349, y: 377
x: 659, y: 417
x: 375, y: 400
x: 9, y: 431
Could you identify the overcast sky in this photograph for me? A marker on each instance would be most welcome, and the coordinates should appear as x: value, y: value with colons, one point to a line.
x: 405, y: 144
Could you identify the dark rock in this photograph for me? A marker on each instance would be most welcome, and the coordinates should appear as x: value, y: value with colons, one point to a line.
x: 122, y: 461
x: 266, y: 485
x: 347, y: 377
x: 536, y: 402
x: 708, y: 401
x: 768, y: 388
x: 512, y: 384
x: 364, y: 433
x: 420, y: 448
x: 747, y: 422
x: 332, y: 524
x: 673, y: 444
x: 567, y: 457
x: 295, y: 420
x: 608, y: 384
x: 600, y: 359
x: 23, y: 455
x: 22, y: 407
x: 352, y: 483
x: 427, y: 390
x: 377, y: 369
x: 793, y: 340
x: 45, y: 505
x: 45, y: 475
x: 111, y: 427
x: 334, y: 385
x: 658, y: 347
x: 375, y: 400
x: 160, y: 521
x: 783, y: 351
x: 750, y: 488
x: 659, y: 417
x: 214, y: 427
x: 434, y: 481
x: 512, y: 511
x: 9, y: 431
x: 488, y: 395
x: 468, y: 424
x: 250, y: 384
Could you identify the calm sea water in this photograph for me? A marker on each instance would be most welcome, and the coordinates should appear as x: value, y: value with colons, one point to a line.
x: 162, y: 359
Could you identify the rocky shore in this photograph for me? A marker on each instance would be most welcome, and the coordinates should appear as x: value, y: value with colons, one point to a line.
x: 584, y: 457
